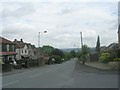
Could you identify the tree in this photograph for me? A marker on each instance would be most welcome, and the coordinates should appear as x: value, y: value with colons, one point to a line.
x: 84, y: 53
x: 72, y: 53
x: 57, y: 52
x: 47, y: 49
x: 98, y: 45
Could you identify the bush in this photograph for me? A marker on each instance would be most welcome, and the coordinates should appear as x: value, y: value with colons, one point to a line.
x: 116, y: 59
x: 105, y: 58
x: 1, y: 62
x: 57, y: 58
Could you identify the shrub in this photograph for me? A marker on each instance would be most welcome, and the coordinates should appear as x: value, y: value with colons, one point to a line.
x: 105, y: 58
x: 1, y: 62
x: 57, y: 58
x: 116, y: 59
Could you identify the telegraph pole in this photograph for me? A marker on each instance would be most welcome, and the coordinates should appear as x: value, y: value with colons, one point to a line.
x: 38, y: 39
x: 81, y: 40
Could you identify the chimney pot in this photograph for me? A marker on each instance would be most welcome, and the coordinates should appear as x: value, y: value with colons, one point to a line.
x: 21, y: 40
x: 15, y: 39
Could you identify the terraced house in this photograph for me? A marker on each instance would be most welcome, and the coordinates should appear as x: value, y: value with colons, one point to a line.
x: 7, y: 49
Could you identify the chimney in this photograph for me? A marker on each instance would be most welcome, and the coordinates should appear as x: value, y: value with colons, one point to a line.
x: 15, y: 39
x: 21, y: 40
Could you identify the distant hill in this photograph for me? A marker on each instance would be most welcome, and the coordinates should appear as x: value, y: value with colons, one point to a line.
x: 70, y: 49
x: 75, y: 49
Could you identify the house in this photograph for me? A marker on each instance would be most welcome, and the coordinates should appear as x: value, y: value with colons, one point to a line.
x: 21, y: 49
x: 113, y: 46
x: 103, y: 49
x: 7, y: 50
x: 31, y: 51
x: 24, y: 50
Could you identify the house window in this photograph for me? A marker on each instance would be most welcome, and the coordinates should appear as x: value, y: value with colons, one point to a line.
x: 4, y: 47
x: 25, y: 51
x: 11, y: 48
x: 22, y: 51
x: 7, y: 47
x: 0, y: 47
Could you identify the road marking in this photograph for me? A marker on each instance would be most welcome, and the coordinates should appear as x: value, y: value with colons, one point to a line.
x: 49, y: 71
x: 10, y: 83
x: 35, y: 75
x: 41, y: 73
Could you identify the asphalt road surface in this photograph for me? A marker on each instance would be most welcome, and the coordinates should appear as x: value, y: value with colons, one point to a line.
x: 65, y: 75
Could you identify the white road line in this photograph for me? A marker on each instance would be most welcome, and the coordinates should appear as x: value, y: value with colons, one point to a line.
x: 10, y: 83
x: 35, y: 75
x: 41, y: 73
x: 49, y: 71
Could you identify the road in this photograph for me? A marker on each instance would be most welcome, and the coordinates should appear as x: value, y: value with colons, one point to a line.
x: 65, y: 75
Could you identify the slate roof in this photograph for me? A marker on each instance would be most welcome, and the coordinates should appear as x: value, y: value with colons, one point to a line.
x: 5, y: 41
x: 19, y: 44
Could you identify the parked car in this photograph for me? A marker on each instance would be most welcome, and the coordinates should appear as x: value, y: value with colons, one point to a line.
x: 16, y: 66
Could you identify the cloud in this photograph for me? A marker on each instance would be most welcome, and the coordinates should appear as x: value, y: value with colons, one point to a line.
x: 64, y: 21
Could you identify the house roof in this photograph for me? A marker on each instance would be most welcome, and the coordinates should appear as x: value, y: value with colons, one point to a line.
x: 113, y: 46
x: 19, y: 44
x: 5, y: 41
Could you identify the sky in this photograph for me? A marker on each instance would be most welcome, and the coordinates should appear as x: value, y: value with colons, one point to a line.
x: 62, y: 19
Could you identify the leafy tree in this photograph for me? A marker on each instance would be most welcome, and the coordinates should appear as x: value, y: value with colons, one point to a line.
x: 67, y: 56
x: 85, y: 49
x: 47, y: 49
x: 84, y: 53
x: 57, y: 52
x: 98, y: 45
x: 72, y: 53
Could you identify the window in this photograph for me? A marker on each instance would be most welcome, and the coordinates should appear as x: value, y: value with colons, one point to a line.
x: 22, y: 51
x: 4, y: 47
x: 25, y: 51
x: 0, y: 47
x: 7, y: 47
x: 11, y: 47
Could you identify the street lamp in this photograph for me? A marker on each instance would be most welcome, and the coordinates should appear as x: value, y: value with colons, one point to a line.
x: 39, y: 37
x: 77, y: 47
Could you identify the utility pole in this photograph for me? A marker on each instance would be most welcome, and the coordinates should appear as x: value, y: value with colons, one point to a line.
x: 38, y: 39
x: 81, y: 40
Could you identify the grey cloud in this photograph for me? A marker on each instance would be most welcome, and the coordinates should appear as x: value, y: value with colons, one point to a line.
x: 18, y: 12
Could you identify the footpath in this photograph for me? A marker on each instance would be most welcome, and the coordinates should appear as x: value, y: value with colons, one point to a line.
x: 98, y: 65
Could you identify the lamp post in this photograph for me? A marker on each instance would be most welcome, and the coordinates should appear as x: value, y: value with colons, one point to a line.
x: 39, y: 37
x: 77, y: 47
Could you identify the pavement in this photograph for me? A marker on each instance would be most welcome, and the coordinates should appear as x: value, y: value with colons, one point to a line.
x: 69, y: 74
x: 98, y: 65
